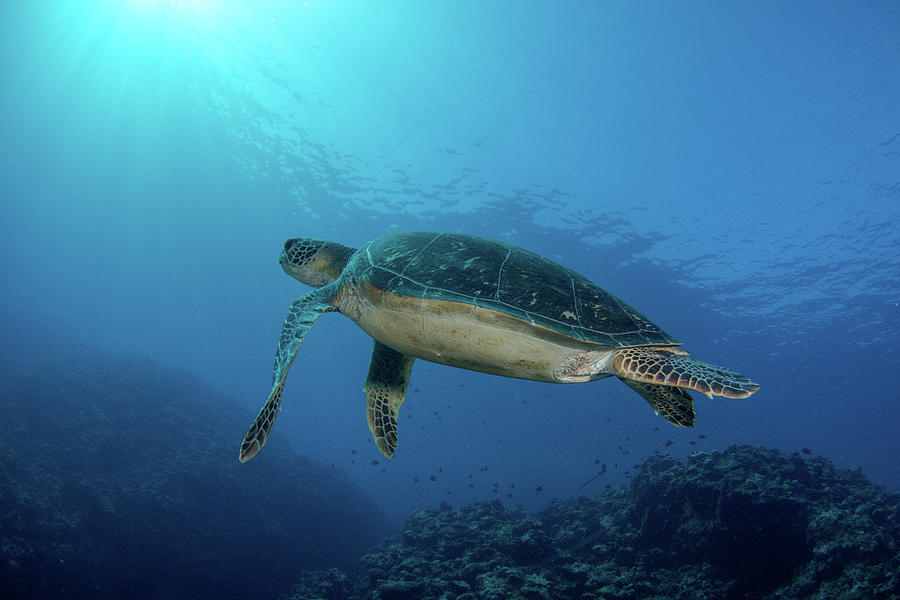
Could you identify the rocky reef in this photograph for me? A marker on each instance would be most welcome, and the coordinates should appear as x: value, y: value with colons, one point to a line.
x: 119, y: 479
x: 742, y: 523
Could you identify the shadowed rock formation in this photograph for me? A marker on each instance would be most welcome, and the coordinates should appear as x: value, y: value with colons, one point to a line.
x: 119, y: 479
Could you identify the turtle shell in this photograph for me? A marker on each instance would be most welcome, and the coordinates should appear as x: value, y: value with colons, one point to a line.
x: 465, y: 268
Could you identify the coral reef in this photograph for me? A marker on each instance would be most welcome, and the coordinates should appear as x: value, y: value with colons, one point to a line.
x: 119, y: 479
x: 743, y: 523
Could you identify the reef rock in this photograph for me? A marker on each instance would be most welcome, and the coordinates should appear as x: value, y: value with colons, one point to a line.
x: 743, y: 523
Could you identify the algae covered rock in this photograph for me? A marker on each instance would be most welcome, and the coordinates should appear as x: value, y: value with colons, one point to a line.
x: 744, y: 512
x: 742, y: 523
x: 766, y: 520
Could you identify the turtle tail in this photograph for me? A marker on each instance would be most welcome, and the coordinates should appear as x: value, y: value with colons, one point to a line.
x: 664, y: 367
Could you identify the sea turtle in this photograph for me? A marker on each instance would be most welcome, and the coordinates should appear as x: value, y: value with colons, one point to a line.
x: 484, y: 305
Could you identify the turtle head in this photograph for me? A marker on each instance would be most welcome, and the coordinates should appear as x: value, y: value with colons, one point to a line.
x: 314, y: 262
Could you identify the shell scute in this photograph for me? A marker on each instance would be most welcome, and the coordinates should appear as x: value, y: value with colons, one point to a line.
x: 502, y: 277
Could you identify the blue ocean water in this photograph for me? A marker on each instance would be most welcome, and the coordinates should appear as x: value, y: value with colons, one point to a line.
x: 730, y: 169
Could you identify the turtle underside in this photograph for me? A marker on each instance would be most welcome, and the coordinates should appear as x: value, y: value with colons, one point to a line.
x: 504, y: 278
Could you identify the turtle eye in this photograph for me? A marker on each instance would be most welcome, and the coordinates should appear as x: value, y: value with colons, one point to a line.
x: 288, y: 245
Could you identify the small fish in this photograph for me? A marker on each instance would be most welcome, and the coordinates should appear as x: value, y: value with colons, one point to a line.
x: 806, y: 451
x: 539, y: 489
x: 433, y: 478
x: 374, y: 462
x: 669, y: 442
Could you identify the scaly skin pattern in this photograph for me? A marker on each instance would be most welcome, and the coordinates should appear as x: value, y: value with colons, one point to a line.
x: 303, y: 313
x: 655, y: 365
x: 385, y: 390
x: 673, y: 403
x: 259, y: 432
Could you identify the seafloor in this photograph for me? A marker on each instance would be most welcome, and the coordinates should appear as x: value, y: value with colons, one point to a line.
x: 118, y: 479
x: 743, y: 523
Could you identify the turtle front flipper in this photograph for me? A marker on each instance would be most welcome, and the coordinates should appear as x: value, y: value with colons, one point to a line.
x: 664, y: 367
x: 673, y: 403
x: 303, y: 313
x: 385, y: 391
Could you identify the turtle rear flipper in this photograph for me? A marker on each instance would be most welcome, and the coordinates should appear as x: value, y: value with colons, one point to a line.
x: 654, y: 365
x: 673, y: 403
x: 385, y: 391
x: 303, y: 313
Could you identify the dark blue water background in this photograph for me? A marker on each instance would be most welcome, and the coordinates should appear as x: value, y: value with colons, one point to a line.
x: 730, y: 169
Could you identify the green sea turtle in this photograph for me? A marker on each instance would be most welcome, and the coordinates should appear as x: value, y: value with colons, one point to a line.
x: 483, y: 305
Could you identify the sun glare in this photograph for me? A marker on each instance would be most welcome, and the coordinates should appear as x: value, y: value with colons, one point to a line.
x: 188, y: 9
